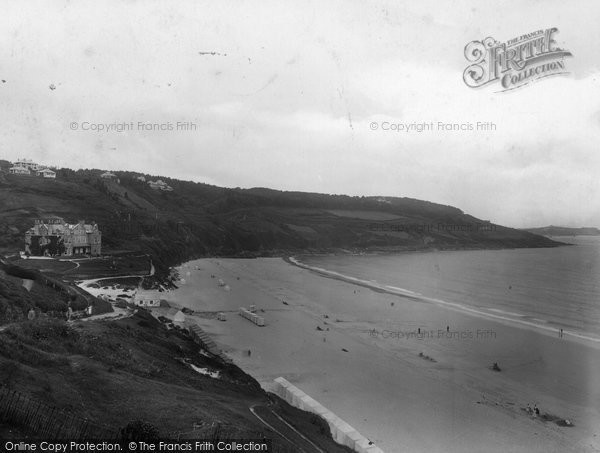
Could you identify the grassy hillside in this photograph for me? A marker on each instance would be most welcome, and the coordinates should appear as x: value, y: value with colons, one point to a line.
x: 109, y: 374
x: 113, y: 373
x: 198, y: 219
x: 24, y: 289
x: 16, y: 301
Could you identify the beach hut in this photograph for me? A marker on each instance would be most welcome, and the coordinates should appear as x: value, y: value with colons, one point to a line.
x: 258, y: 320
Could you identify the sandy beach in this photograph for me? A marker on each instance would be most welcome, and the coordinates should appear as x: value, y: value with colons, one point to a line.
x: 358, y: 352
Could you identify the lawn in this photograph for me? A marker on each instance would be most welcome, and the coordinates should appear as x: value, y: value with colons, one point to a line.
x: 86, y: 268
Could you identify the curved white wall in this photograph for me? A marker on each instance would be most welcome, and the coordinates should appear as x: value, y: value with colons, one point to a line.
x: 341, y: 431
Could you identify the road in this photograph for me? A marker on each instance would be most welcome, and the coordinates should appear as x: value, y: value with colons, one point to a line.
x: 297, y: 439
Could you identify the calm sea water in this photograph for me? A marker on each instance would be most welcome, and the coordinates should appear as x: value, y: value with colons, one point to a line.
x: 552, y: 287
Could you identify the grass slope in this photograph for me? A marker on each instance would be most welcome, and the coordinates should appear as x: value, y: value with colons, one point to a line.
x: 114, y: 372
x: 42, y: 294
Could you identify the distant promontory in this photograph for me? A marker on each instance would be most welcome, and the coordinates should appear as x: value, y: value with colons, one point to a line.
x: 564, y: 231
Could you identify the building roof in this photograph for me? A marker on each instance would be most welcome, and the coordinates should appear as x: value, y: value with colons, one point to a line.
x: 50, y: 219
x: 142, y: 294
x: 160, y: 184
x: 61, y: 228
x: 108, y: 174
x: 89, y: 228
x: 25, y: 161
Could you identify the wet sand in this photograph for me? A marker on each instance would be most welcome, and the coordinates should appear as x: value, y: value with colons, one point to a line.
x: 380, y: 384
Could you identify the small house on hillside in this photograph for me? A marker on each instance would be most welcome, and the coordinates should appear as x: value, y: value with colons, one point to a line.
x: 19, y: 171
x: 144, y: 298
x: 110, y: 176
x: 160, y: 185
x: 28, y: 167
x: 29, y: 164
x: 141, y: 178
x: 47, y: 173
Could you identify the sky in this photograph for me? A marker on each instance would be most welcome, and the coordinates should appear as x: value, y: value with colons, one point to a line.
x: 303, y: 96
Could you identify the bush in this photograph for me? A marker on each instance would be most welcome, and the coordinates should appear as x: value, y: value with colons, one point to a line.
x: 139, y: 430
x: 43, y: 330
x: 321, y: 424
x: 15, y: 302
x: 19, y: 272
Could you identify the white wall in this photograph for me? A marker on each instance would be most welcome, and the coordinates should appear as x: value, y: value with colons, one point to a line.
x: 341, y: 431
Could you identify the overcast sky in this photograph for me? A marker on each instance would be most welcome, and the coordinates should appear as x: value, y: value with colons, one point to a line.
x: 284, y: 93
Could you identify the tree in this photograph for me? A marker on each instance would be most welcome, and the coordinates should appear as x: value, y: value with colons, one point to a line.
x: 56, y: 246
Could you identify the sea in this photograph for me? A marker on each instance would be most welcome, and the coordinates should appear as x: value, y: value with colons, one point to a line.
x: 550, y: 288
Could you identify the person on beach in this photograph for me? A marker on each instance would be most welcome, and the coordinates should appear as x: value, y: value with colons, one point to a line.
x: 447, y: 328
x: 561, y: 333
x: 536, y: 410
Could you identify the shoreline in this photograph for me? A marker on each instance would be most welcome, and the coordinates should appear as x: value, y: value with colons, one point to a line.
x: 403, y: 293
x: 349, y: 251
x: 386, y: 387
